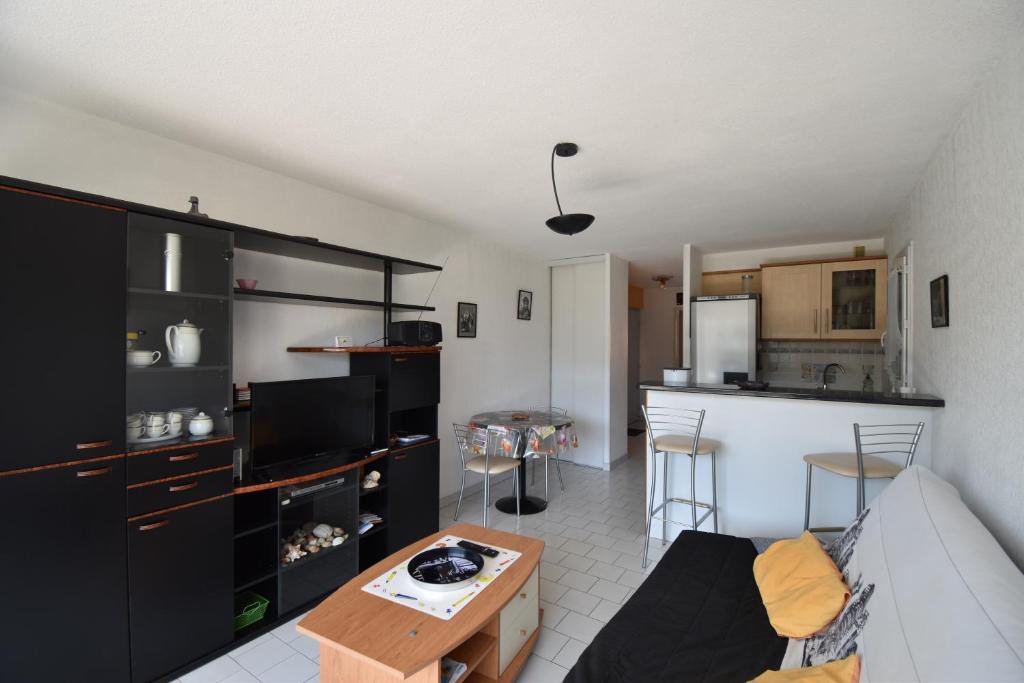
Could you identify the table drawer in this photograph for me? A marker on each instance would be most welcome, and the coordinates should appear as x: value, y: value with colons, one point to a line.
x: 151, y: 497
x: 518, y: 620
x: 152, y: 466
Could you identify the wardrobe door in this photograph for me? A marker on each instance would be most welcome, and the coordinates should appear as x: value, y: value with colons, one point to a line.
x: 63, y: 273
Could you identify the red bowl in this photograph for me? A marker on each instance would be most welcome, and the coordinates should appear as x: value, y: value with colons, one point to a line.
x: 246, y: 284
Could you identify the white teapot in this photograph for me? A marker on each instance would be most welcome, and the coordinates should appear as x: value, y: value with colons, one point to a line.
x: 183, y: 345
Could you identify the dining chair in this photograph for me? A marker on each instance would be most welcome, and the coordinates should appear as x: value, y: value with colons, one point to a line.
x: 554, y: 454
x: 871, y: 441
x: 487, y: 451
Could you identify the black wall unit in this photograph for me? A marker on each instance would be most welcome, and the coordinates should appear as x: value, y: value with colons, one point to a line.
x: 180, y: 578
x: 65, y: 603
x: 415, y: 478
x: 62, y: 270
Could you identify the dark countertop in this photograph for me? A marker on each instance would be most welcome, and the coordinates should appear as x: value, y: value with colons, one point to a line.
x: 804, y: 393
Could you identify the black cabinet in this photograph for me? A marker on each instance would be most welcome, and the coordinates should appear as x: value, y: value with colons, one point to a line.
x: 62, y: 270
x: 180, y: 586
x: 414, y: 480
x: 63, y: 571
x: 415, y: 380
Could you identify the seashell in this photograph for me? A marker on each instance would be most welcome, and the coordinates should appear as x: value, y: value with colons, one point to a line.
x: 322, y: 530
x: 308, y: 526
x: 338, y: 540
x: 313, y: 548
x: 338, y: 531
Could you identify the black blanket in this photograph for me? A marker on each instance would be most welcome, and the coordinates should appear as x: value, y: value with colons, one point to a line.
x: 697, y: 617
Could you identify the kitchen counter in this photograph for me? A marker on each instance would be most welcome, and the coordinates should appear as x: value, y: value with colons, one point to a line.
x: 763, y: 437
x: 803, y: 393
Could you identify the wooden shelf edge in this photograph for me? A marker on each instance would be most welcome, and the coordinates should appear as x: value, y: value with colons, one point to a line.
x: 252, y: 488
x: 364, y: 349
x: 179, y: 445
x: 472, y: 652
x: 271, y: 296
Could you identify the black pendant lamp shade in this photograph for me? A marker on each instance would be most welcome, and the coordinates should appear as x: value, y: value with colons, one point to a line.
x: 566, y: 223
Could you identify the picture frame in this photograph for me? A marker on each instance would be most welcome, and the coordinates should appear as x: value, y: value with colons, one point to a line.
x: 465, y: 320
x: 939, y: 295
x: 524, y: 304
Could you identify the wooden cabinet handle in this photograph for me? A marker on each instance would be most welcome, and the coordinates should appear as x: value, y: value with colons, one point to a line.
x: 154, y: 525
x: 183, y: 487
x: 86, y: 445
x: 400, y: 359
x: 183, y: 458
x: 400, y: 456
x: 97, y: 472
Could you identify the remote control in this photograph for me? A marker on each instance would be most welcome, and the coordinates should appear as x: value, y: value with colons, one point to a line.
x: 482, y: 549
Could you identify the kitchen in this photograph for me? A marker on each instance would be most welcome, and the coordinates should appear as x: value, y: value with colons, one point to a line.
x: 787, y: 349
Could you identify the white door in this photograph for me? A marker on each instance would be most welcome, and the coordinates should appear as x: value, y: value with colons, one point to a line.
x: 579, y: 362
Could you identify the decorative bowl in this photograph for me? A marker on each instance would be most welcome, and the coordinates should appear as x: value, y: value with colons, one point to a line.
x: 446, y: 569
x: 244, y: 283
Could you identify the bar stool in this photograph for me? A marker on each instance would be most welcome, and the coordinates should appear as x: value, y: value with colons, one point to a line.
x: 487, y: 452
x: 676, y: 431
x: 871, y: 441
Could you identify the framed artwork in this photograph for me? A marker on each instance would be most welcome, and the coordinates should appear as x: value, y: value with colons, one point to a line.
x: 524, y: 305
x: 940, y: 301
x: 466, y: 317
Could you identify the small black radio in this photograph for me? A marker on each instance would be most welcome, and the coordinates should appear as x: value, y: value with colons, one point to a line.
x: 414, y: 333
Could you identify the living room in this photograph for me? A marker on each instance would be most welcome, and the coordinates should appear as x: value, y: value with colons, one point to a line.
x: 323, y: 231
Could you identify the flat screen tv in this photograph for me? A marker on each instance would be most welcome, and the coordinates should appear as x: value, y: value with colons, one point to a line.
x: 299, y: 420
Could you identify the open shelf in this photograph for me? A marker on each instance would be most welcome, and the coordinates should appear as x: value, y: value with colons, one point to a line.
x: 376, y: 528
x: 319, y: 300
x: 256, y: 529
x: 472, y: 652
x: 259, y: 579
x: 313, y: 557
x: 375, y: 489
x: 160, y: 369
x: 145, y: 291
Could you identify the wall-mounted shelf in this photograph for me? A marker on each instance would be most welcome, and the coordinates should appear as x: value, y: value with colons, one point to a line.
x: 318, y: 300
x: 160, y: 369
x: 181, y: 295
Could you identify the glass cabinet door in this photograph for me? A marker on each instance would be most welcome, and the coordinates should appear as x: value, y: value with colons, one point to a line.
x: 179, y: 326
x: 854, y: 298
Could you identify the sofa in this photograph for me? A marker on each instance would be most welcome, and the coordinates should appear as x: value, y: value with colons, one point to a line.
x: 933, y: 598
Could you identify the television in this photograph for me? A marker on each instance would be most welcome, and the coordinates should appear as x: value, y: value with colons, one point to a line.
x: 299, y: 420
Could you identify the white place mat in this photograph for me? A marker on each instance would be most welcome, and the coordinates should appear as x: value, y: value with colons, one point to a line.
x: 397, y: 586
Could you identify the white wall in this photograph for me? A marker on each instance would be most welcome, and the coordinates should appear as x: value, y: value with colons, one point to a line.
x: 618, y: 357
x: 966, y: 218
x: 753, y: 258
x: 506, y: 365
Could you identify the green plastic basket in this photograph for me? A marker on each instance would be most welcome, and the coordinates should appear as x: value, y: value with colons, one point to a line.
x: 249, y: 608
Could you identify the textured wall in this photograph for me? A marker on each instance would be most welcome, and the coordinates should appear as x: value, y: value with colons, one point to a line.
x: 966, y: 218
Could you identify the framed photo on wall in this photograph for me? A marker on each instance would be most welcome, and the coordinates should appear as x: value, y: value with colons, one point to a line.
x: 466, y: 317
x: 940, y: 301
x: 524, y: 305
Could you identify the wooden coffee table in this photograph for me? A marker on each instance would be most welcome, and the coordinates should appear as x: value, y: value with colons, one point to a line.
x: 367, y: 639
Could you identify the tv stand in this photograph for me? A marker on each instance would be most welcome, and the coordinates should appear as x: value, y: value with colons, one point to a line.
x: 315, y: 466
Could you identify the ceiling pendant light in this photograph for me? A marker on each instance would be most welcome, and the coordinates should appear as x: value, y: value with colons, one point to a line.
x: 662, y: 280
x: 566, y: 223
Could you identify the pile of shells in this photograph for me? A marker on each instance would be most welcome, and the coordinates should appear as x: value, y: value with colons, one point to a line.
x: 310, y: 538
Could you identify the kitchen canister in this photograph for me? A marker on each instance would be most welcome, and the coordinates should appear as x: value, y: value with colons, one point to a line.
x: 172, y: 262
x: 676, y: 375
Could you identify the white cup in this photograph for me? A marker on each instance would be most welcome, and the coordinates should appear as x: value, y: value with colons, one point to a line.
x: 135, y: 431
x: 134, y: 420
x: 175, y: 421
x: 143, y: 359
x: 155, y: 420
x: 154, y: 431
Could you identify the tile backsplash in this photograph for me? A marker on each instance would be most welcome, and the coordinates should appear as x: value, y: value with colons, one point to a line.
x: 799, y: 364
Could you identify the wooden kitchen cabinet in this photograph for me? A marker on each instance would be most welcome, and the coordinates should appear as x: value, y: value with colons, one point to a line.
x: 834, y: 300
x: 853, y: 298
x: 791, y: 302
x: 725, y: 282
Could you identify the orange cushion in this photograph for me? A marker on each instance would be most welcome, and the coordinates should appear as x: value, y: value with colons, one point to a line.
x: 800, y: 586
x: 840, y: 671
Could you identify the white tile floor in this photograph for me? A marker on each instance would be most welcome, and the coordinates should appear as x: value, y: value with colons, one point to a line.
x: 594, y: 543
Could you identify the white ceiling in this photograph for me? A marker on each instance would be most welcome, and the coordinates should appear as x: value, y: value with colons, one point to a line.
x: 726, y: 123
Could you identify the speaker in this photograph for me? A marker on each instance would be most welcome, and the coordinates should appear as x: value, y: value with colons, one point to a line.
x: 414, y: 333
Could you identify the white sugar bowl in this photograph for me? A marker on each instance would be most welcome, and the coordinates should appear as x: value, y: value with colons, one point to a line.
x: 200, y: 425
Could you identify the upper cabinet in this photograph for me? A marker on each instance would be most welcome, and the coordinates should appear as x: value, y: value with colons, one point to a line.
x: 853, y: 294
x: 841, y: 300
x: 791, y: 299
x: 724, y: 282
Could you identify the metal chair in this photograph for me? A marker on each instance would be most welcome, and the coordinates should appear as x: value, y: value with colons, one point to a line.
x: 676, y: 431
x: 486, y: 452
x: 871, y: 441
x: 554, y: 454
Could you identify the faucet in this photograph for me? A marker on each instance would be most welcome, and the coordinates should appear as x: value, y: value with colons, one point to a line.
x: 824, y: 374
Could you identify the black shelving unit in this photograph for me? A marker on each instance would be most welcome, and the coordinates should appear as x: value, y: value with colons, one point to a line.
x: 319, y: 300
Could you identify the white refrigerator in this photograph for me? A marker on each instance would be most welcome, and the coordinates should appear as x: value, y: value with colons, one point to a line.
x: 723, y: 338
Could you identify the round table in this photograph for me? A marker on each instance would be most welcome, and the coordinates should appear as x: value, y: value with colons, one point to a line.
x: 521, y: 421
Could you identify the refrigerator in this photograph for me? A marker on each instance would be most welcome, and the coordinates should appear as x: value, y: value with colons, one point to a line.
x: 723, y: 338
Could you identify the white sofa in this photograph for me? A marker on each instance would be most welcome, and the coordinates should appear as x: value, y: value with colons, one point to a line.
x: 934, y: 596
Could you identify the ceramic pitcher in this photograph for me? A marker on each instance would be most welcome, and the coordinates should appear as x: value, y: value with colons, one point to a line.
x: 183, y: 345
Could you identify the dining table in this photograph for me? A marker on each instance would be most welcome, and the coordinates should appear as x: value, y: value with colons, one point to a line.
x: 525, y: 422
